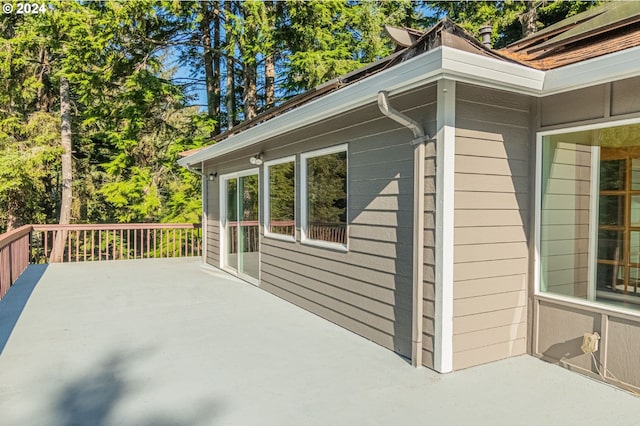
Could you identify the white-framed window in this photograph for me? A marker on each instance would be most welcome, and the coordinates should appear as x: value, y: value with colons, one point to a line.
x: 324, y: 195
x: 280, y: 198
x: 588, y: 214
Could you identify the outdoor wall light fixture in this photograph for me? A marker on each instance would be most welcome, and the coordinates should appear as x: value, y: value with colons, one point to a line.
x: 213, y: 176
x: 256, y: 159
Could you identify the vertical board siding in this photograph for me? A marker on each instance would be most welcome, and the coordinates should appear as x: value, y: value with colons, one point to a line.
x: 491, y: 221
x: 591, y: 104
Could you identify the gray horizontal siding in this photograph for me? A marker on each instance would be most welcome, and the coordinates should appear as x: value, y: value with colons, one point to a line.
x: 429, y: 265
x: 491, y: 207
x: 213, y: 222
x: 367, y: 289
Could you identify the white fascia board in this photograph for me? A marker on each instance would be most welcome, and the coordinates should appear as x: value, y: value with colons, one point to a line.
x: 442, y: 62
x: 603, y: 69
x: 415, y: 72
x: 485, y: 71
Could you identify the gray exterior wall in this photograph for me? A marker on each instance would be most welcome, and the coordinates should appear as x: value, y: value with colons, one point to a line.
x: 559, y: 326
x: 367, y: 289
x: 429, y: 273
x: 490, y: 225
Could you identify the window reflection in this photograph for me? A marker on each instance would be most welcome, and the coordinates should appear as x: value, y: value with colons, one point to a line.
x: 326, y: 182
x: 590, y: 249
x: 282, y: 199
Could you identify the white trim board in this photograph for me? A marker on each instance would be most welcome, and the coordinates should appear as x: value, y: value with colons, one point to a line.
x: 445, y: 193
x: 303, y: 196
x: 267, y: 200
x: 440, y: 63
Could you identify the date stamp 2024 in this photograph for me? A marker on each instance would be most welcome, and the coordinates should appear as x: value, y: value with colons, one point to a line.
x: 24, y: 8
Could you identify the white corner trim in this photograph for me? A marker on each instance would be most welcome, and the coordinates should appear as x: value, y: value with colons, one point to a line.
x: 204, y: 222
x: 445, y: 174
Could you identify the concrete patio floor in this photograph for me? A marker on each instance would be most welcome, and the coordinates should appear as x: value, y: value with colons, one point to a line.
x: 164, y: 342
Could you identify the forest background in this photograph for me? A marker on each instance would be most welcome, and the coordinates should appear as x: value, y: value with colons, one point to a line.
x: 98, y: 98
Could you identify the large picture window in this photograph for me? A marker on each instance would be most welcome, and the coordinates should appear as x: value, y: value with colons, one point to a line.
x: 589, y: 238
x: 324, y: 196
x: 281, y: 198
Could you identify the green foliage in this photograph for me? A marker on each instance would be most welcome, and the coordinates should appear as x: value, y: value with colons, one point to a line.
x: 131, y: 117
x: 331, y: 38
x: 282, y: 191
x: 506, y: 17
x: 327, y: 188
x: 129, y: 120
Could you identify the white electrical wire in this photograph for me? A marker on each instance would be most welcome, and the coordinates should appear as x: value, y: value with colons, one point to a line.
x: 619, y: 382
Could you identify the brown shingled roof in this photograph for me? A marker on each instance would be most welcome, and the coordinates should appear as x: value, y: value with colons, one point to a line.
x: 606, y: 29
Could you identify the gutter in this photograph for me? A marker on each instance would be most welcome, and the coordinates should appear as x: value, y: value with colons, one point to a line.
x: 418, y: 142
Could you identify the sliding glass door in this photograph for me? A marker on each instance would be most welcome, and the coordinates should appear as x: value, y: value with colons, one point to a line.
x: 240, y: 220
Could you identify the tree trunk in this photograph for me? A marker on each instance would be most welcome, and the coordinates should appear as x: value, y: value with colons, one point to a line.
x: 205, y: 31
x: 44, y: 95
x: 529, y: 19
x: 270, y: 81
x: 57, y: 251
x: 216, y: 65
x: 230, y: 86
x: 12, y: 219
x: 250, y: 97
x: 272, y: 11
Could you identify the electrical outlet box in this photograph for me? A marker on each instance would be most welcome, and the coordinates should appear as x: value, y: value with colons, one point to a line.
x: 590, y: 342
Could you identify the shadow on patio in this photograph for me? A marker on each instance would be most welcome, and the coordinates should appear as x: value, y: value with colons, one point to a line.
x: 164, y: 341
x: 13, y: 304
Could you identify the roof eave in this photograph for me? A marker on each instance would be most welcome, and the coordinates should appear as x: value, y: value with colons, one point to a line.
x: 441, y: 63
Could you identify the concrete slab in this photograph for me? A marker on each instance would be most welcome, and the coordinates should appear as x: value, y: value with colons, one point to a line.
x: 164, y: 342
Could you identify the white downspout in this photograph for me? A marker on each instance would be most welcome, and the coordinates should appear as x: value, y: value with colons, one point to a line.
x: 418, y: 142
x: 204, y: 190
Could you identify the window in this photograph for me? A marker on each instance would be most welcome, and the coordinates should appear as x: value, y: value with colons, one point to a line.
x: 589, y: 237
x: 281, y: 198
x: 324, y: 196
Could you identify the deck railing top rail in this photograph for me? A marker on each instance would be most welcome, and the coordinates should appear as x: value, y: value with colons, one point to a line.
x: 93, y: 242
x: 111, y: 226
x: 14, y: 235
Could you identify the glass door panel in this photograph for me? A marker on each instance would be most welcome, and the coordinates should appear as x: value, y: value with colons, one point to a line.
x: 231, y: 228
x: 248, y: 231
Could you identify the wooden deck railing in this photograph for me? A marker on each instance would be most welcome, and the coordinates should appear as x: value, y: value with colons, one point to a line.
x: 250, y: 236
x: 332, y: 232
x: 118, y: 241
x: 84, y: 243
x: 14, y: 256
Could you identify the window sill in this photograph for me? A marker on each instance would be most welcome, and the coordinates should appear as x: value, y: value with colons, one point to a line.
x: 326, y: 245
x: 280, y: 237
x: 589, y: 305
